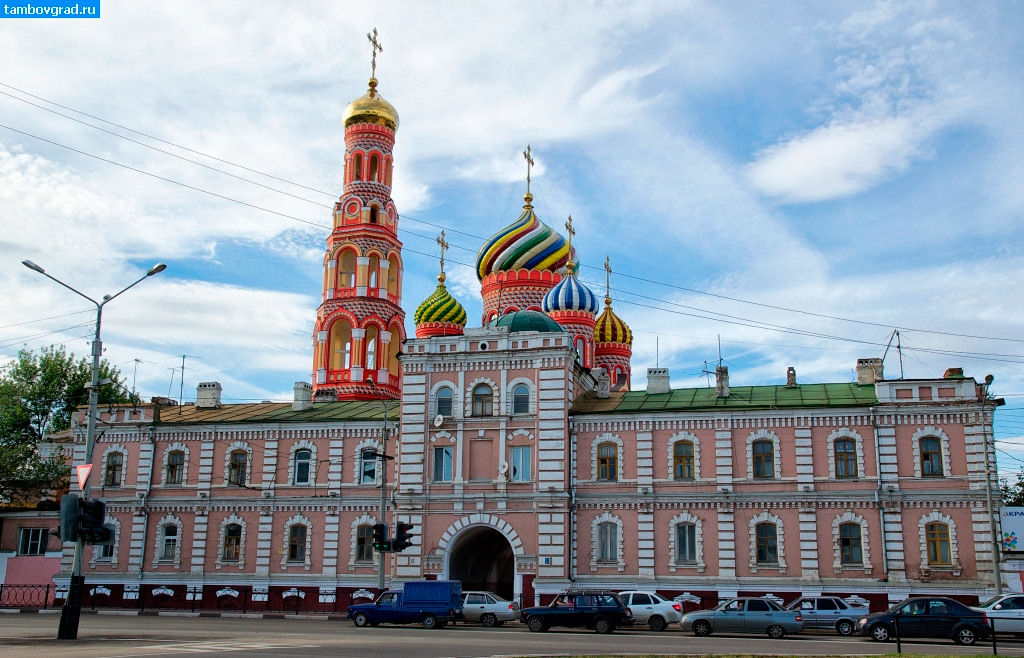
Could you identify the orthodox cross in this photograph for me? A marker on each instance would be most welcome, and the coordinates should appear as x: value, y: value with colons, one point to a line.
x: 607, y: 280
x: 571, y: 232
x: 444, y: 245
x: 529, y: 163
x: 376, y: 47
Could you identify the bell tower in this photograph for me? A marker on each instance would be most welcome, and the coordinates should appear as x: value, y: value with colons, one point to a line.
x: 360, y: 324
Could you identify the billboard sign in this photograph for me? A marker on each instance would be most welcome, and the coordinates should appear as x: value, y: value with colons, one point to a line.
x: 1011, y: 519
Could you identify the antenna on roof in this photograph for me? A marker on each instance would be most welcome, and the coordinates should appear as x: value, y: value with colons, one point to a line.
x: 894, y: 335
x: 707, y: 372
x: 719, y: 349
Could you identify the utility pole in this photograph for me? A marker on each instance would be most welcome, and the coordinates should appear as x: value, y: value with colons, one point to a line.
x: 382, y: 457
x: 988, y: 492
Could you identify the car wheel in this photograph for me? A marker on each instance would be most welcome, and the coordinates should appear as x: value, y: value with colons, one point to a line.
x: 488, y: 620
x: 603, y: 626
x: 701, y: 628
x: 535, y: 624
x: 429, y: 621
x: 879, y: 633
x: 657, y: 623
x: 844, y: 627
x: 360, y: 619
x: 776, y: 632
x: 965, y: 635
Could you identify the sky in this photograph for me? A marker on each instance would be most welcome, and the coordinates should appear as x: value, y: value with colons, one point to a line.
x: 789, y: 181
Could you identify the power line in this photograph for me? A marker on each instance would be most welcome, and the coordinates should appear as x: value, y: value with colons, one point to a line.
x: 52, y: 317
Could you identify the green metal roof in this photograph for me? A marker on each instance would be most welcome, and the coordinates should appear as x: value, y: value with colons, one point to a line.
x: 526, y: 321
x: 281, y: 412
x: 740, y: 397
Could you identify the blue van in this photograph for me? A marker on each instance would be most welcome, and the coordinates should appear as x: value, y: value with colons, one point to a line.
x: 432, y: 603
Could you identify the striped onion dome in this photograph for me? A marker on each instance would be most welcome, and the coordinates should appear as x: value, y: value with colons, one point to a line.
x: 570, y: 295
x: 440, y: 306
x: 610, y: 328
x: 525, y: 244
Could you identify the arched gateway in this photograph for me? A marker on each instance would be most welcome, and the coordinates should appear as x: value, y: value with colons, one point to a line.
x: 480, y: 551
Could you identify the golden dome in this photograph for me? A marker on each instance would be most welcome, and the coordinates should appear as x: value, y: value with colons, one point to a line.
x: 371, y: 108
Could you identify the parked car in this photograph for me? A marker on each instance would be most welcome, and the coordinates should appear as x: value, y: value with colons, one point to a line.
x: 432, y: 603
x: 488, y: 608
x: 744, y: 615
x: 649, y: 608
x: 598, y: 610
x: 932, y: 617
x: 828, y: 612
x: 1004, y: 612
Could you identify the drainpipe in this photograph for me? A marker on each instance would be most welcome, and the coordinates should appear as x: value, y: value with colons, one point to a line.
x: 145, y: 511
x: 878, y: 489
x: 572, y: 504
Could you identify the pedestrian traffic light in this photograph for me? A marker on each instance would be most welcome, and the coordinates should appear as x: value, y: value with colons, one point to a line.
x: 403, y: 538
x: 91, y: 524
x: 381, y: 543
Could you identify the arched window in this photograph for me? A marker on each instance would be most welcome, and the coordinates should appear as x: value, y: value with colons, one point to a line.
x: 374, y: 215
x: 608, y: 542
x: 303, y: 459
x: 372, y: 268
x: 170, y: 546
x: 387, y: 173
x: 237, y: 466
x: 764, y: 460
x: 767, y: 544
x: 175, y: 467
x: 115, y: 462
x: 521, y: 399
x: 394, y: 348
x: 682, y: 460
x: 232, y: 542
x: 347, y: 269
x: 443, y: 402
x: 393, y: 274
x: 686, y: 543
x: 608, y: 462
x: 364, y: 543
x: 341, y: 345
x: 850, y: 544
x: 581, y: 347
x: 374, y: 167
x: 931, y: 457
x: 483, y: 400
x: 937, y: 535
x: 372, y: 339
x: 357, y: 167
x: 297, y: 543
x: 846, y: 458
x: 368, y: 467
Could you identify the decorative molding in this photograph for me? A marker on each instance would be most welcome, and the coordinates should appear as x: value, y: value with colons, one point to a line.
x: 238, y: 445
x: 432, y: 397
x: 595, y: 548
x: 495, y: 396
x: 851, y: 517
x: 177, y: 446
x: 676, y: 438
x: 510, y: 397
x: 234, y: 519
x: 169, y: 520
x: 520, y: 432
x: 607, y: 437
x: 767, y: 517
x: 685, y: 518
x: 931, y: 433
x: 366, y: 444
x: 117, y: 447
x: 97, y: 551
x: 365, y: 519
x: 845, y: 433
x: 764, y: 435
x: 954, y: 554
x: 298, y: 519
x: 303, y: 444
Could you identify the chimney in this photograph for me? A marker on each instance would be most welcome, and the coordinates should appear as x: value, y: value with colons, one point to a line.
x: 791, y: 377
x: 303, y: 397
x: 208, y: 395
x: 657, y: 381
x: 722, y: 381
x: 604, y: 384
x: 869, y: 371
x: 953, y: 373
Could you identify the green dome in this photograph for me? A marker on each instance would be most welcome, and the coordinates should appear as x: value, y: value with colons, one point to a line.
x: 526, y: 321
x: 440, y: 307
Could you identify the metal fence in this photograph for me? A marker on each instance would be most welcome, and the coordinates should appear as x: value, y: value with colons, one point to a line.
x: 27, y: 596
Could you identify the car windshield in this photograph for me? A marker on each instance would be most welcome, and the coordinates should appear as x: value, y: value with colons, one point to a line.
x: 730, y: 604
x: 991, y: 602
x: 497, y: 598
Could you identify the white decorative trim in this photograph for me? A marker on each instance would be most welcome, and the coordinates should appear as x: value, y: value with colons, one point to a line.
x: 477, y: 520
x: 227, y: 591
x: 170, y: 519
x: 365, y: 519
x: 851, y: 517
x: 520, y: 432
x: 607, y: 437
x: 443, y: 435
x: 432, y: 398
x: 234, y: 519
x: 495, y: 396
x: 361, y: 594
x: 366, y: 444
x: 845, y: 433
x: 767, y: 517
x: 175, y: 447
x: 304, y: 444
x: 97, y: 551
x: 685, y: 517
x: 595, y: 549
x: 676, y: 438
x: 531, y: 408
x: 117, y: 447
x: 764, y: 435
x: 931, y: 433
x: 163, y: 590
x: 100, y: 589
x: 238, y: 445
x: 954, y: 556
x: 298, y: 519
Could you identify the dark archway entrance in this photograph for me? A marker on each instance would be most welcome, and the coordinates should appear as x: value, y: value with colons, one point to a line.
x: 482, y: 559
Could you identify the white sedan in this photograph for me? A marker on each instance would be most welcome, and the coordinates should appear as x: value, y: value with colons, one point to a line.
x: 1005, y: 612
x: 649, y: 608
x: 488, y: 608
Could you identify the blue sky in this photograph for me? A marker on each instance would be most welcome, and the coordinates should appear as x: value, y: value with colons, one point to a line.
x: 854, y: 160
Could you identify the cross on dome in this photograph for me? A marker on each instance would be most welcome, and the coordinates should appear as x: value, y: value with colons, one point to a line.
x: 444, y: 245
x: 376, y: 47
x: 570, y: 233
x: 607, y: 281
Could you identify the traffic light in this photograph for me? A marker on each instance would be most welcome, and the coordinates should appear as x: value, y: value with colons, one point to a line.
x: 69, y: 517
x: 403, y: 538
x: 381, y: 543
x: 90, y: 522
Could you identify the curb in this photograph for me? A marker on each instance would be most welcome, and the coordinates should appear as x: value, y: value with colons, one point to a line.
x: 184, y: 613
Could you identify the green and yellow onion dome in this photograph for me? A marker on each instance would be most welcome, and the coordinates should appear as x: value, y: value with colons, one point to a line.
x: 610, y: 328
x: 440, y: 306
x: 371, y: 108
x: 525, y: 244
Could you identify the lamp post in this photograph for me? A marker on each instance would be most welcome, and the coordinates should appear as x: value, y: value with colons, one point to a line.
x: 72, y: 609
x: 383, y: 477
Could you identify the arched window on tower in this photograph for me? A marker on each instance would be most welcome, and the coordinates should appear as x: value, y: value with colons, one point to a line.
x: 372, y: 338
x: 387, y: 173
x: 395, y: 346
x: 357, y: 167
x: 374, y: 168
x: 347, y: 269
x: 372, y: 269
x: 341, y: 345
x: 581, y: 349
x: 374, y: 215
x: 394, y: 274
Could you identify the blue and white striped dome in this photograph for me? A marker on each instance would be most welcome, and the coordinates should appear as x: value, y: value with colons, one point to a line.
x: 570, y: 295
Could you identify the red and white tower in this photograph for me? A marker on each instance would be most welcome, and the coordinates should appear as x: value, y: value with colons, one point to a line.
x: 360, y: 324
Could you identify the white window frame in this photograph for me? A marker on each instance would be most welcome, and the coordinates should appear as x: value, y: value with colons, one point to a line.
x: 687, y: 518
x: 865, y: 551
x: 676, y: 438
x: 123, y: 451
x: 169, y: 520
x: 175, y: 447
x: 764, y: 435
x: 220, y: 563
x: 931, y: 433
x: 954, y: 554
x: 531, y: 405
x: 296, y: 447
x: 364, y: 519
x: 595, y: 546
x: 238, y: 445
x: 607, y: 437
x: 357, y: 475
x: 837, y: 435
x: 306, y: 562
x: 450, y: 451
x: 42, y: 540
x: 780, y: 536
x: 513, y: 471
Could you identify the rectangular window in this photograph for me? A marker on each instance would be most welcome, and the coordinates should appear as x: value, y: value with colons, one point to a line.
x: 107, y: 552
x: 297, y: 543
x: 34, y: 541
x: 368, y: 467
x: 904, y: 393
x: 521, y: 463
x: 849, y: 544
x: 364, y: 543
x: 931, y: 458
x: 170, y: 542
x: 937, y: 535
x: 682, y: 460
x: 443, y: 464
x: 175, y: 467
x: 236, y: 467
x: 608, y: 462
x: 945, y: 392
x: 115, y: 461
x: 767, y: 544
x: 232, y: 542
x: 686, y: 543
x: 608, y: 542
x: 764, y: 460
x: 924, y: 393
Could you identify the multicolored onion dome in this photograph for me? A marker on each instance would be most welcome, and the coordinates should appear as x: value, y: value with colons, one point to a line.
x: 371, y: 108
x: 610, y: 328
x: 570, y: 295
x: 440, y: 306
x: 525, y: 244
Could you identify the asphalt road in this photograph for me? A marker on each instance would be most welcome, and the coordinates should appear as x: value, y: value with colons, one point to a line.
x: 32, y: 636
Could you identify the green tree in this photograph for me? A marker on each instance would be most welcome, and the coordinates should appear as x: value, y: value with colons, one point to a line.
x: 39, y: 392
x: 1013, y: 494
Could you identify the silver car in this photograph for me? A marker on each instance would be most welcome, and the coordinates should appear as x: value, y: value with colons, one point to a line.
x: 488, y: 608
x: 829, y: 612
x: 744, y: 615
x: 649, y: 608
x: 1005, y: 612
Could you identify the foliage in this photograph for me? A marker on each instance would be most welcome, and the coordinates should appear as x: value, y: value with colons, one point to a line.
x: 1013, y: 494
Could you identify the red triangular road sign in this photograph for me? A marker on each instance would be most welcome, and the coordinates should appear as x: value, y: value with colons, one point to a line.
x: 83, y: 474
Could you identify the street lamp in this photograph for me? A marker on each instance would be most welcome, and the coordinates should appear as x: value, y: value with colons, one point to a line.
x: 72, y: 609
x: 383, y: 477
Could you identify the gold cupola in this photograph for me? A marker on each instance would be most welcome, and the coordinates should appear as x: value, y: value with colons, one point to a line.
x: 371, y: 108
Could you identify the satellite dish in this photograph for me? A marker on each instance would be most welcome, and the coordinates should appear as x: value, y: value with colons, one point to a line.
x: 438, y: 420
x: 503, y: 468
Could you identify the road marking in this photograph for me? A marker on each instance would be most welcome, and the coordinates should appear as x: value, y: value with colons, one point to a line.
x: 211, y: 647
